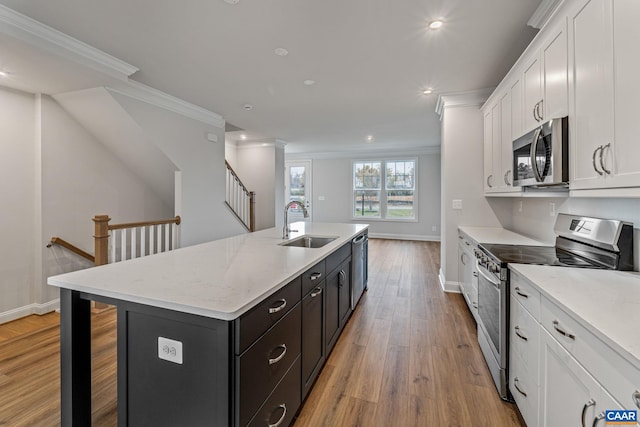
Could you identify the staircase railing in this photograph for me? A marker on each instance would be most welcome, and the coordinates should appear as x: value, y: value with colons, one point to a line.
x: 134, y: 239
x: 240, y: 200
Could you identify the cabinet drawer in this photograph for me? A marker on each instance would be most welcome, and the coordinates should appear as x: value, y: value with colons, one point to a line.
x: 312, y: 277
x: 618, y: 376
x: 524, y: 336
x: 281, y: 406
x: 254, y: 323
x: 336, y: 258
x: 265, y: 363
x: 525, y: 294
x: 523, y: 384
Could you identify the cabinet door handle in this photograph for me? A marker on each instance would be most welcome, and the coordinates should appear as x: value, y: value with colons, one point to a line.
x: 540, y: 106
x: 278, y: 308
x: 317, y: 291
x: 515, y: 384
x: 462, y: 259
x: 593, y: 159
x: 343, y: 278
x: 561, y: 331
x: 636, y: 398
x: 535, y: 116
x: 597, y: 419
x: 522, y: 337
x: 604, y: 169
x: 315, y: 276
x: 282, y: 406
x: 517, y: 289
x: 489, y: 181
x: 279, y: 358
x: 591, y: 402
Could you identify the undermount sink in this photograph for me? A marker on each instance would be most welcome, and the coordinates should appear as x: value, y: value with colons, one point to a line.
x: 309, y: 241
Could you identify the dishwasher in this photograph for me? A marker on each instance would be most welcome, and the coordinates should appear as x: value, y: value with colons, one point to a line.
x: 359, y: 270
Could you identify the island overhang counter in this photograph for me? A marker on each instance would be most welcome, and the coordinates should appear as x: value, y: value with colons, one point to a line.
x: 198, y: 297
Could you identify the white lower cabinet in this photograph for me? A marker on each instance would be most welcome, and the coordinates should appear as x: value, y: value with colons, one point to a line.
x: 569, y: 395
x: 560, y: 373
x: 467, y: 274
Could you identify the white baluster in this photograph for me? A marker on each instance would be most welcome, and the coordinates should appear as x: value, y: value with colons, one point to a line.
x: 134, y: 243
x: 123, y: 244
x: 113, y: 249
x: 143, y: 241
x: 158, y: 238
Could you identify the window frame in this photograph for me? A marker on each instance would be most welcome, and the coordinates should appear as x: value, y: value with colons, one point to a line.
x: 383, y: 189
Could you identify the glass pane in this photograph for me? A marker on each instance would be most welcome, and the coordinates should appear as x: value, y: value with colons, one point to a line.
x: 296, y: 188
x: 400, y: 204
x: 366, y: 175
x: 366, y: 203
x: 401, y: 175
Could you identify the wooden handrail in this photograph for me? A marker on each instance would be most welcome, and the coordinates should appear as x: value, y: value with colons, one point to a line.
x: 76, y: 250
x: 175, y: 220
x: 244, y: 187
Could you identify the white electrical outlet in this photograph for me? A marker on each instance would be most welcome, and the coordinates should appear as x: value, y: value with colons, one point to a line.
x: 320, y: 197
x: 457, y: 204
x: 170, y: 350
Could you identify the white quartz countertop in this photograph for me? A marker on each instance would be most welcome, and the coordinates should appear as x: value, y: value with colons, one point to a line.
x: 221, y: 279
x: 498, y: 235
x: 606, y: 302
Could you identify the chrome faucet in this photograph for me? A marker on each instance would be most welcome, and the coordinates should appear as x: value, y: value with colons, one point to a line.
x: 286, y: 229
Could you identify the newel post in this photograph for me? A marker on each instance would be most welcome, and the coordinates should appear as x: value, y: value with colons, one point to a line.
x: 101, y: 239
x: 252, y: 211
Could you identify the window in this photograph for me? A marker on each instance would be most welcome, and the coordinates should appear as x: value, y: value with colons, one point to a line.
x: 384, y: 189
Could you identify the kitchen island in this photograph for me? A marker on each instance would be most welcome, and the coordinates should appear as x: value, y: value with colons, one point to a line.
x: 229, y: 332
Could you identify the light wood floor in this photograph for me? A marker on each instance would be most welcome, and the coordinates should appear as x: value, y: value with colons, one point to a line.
x: 408, y: 357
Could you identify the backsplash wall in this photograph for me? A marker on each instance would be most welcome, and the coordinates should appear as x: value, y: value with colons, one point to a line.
x: 535, y: 220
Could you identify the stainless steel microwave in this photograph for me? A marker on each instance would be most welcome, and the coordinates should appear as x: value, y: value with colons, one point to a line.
x: 541, y: 157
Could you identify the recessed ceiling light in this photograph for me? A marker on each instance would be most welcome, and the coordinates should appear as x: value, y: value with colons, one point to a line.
x: 427, y: 91
x: 369, y: 138
x: 232, y: 1
x: 247, y: 107
x: 309, y: 82
x: 3, y: 73
x: 281, y: 51
x: 243, y: 136
x: 434, y: 25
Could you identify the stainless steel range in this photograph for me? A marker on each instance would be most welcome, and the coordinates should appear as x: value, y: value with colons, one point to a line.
x: 581, y: 242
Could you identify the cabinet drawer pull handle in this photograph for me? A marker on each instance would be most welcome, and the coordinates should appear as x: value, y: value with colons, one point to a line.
x: 557, y: 327
x: 343, y: 278
x: 591, y: 402
x: 279, y: 358
x: 278, y: 308
x: 597, y: 419
x: 515, y: 384
x: 517, y: 288
x: 522, y: 337
x: 474, y: 304
x: 602, y: 166
x: 593, y: 159
x: 284, y: 414
x: 636, y: 398
x: 475, y: 274
x: 315, y: 276
x: 316, y: 292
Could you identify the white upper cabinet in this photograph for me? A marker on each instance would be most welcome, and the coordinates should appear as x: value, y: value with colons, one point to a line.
x: 604, y: 126
x: 533, y: 104
x: 516, y: 110
x: 488, y: 150
x: 555, y: 84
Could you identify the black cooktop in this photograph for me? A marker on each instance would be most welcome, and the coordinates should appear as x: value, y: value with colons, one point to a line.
x: 540, y: 255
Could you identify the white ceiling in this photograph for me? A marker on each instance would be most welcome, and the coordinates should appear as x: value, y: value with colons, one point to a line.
x: 370, y: 59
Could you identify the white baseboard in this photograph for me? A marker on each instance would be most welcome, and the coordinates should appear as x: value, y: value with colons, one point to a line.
x: 17, y: 313
x: 448, y: 286
x: 417, y: 237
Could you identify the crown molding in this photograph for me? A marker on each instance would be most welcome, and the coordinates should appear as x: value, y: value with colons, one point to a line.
x: 471, y: 98
x: 144, y: 93
x: 51, y: 40
x: 542, y: 14
x: 384, y: 152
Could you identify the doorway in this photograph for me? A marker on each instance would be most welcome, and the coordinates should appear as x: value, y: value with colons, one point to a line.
x: 297, y: 186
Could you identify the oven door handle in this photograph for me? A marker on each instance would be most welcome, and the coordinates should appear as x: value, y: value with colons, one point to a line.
x: 534, y: 149
x: 487, y: 278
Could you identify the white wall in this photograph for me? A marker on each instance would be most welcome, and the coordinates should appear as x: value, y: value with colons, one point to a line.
x: 332, y: 181
x: 18, y: 195
x: 183, y: 140
x: 462, y: 167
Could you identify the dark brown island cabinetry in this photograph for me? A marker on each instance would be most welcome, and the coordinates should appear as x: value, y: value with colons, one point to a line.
x: 255, y: 370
